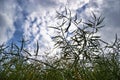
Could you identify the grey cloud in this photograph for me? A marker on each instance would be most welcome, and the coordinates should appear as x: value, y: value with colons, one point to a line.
x: 6, y: 29
x: 47, y: 3
x: 37, y: 6
x: 81, y: 9
x: 6, y: 20
x: 111, y: 10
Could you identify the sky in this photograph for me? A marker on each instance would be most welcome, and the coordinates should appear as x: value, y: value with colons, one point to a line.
x: 30, y: 19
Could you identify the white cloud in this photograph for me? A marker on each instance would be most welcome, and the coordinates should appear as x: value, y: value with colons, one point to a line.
x: 45, y: 15
x: 6, y: 30
x: 6, y: 20
x: 41, y: 14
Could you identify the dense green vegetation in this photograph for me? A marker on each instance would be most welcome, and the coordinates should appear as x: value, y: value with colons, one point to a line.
x: 84, y: 55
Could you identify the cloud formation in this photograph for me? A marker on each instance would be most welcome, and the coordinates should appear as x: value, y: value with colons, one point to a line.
x: 111, y: 10
x: 37, y: 22
x: 6, y: 20
x: 31, y: 18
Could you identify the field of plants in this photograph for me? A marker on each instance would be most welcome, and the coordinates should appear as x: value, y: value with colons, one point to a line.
x: 83, y: 56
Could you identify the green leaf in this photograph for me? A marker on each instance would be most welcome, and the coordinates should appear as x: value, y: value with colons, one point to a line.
x: 75, y: 17
x: 54, y: 27
x: 89, y: 24
x: 69, y: 24
x: 100, y: 26
x: 27, y: 52
x: 100, y: 21
x: 66, y: 10
x: 94, y: 16
x: 37, y: 49
x: 95, y: 37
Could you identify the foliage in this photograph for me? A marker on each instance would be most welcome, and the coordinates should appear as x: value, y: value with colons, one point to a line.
x: 84, y: 55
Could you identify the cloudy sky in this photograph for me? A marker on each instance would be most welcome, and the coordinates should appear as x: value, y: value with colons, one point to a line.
x: 30, y: 18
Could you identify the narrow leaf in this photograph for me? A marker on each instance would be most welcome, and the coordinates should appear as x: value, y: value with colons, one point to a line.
x: 94, y: 16
x: 37, y: 49
x: 27, y: 52
x: 54, y: 28
x: 99, y: 22
x: 75, y: 17
x: 89, y: 24
x: 68, y: 26
x: 66, y: 10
